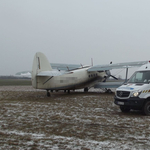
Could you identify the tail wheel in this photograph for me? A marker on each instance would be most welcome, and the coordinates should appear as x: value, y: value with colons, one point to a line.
x: 146, y: 108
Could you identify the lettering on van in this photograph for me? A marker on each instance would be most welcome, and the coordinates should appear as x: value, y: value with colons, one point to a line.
x: 146, y: 91
x: 128, y: 88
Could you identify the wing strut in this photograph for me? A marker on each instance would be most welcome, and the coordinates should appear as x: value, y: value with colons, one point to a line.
x: 126, y: 75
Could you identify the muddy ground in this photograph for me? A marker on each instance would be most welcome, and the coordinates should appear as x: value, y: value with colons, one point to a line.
x: 31, y: 121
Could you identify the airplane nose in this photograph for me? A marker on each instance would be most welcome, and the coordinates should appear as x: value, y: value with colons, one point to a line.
x: 108, y: 72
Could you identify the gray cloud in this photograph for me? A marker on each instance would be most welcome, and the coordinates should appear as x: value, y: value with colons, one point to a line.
x: 73, y: 32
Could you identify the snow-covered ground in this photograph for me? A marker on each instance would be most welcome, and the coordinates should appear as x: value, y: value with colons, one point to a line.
x: 87, y: 121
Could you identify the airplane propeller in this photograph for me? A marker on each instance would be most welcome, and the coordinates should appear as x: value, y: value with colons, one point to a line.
x: 109, y: 75
x: 114, y: 77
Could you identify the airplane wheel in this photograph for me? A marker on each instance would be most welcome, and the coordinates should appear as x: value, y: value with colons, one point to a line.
x: 86, y: 89
x: 109, y: 91
x: 48, y: 94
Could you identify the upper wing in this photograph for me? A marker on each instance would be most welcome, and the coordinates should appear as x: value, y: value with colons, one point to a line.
x: 117, y: 66
x: 67, y: 67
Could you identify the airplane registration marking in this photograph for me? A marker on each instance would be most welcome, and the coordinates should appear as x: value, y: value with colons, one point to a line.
x: 39, y: 63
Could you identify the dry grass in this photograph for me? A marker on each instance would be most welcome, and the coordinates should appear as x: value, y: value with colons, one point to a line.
x: 17, y: 82
x: 30, y: 120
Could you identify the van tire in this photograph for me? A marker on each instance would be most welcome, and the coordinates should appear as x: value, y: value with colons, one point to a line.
x: 124, y: 109
x: 146, y: 108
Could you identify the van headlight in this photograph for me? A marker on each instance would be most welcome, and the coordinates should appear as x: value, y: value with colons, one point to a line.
x: 136, y: 93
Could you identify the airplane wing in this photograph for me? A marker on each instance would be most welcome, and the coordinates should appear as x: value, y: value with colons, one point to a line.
x: 116, y: 66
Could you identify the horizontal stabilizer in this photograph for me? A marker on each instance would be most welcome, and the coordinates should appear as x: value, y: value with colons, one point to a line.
x: 49, y: 73
x: 66, y: 67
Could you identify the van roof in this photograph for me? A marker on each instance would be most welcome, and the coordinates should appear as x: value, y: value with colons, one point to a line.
x: 145, y: 67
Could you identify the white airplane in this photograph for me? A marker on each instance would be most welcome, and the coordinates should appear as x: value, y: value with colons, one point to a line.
x: 44, y: 77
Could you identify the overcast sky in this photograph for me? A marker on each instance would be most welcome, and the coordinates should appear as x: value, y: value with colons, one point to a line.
x: 73, y: 31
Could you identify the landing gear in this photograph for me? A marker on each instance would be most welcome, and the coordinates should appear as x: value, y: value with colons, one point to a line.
x: 48, y: 93
x: 108, y: 90
x: 86, y: 89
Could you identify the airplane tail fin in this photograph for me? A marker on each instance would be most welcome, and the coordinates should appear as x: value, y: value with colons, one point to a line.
x: 40, y: 63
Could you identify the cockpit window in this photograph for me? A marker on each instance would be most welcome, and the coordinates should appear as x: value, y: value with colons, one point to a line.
x: 140, y: 77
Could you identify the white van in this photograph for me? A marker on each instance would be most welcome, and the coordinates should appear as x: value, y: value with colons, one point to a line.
x: 135, y: 94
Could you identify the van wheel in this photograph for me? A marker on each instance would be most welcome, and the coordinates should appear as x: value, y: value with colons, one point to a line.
x: 146, y: 108
x: 124, y: 109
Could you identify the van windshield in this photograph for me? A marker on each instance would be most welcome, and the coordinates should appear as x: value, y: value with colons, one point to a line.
x: 140, y: 77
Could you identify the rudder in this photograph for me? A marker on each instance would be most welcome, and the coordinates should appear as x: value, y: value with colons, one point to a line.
x: 40, y: 63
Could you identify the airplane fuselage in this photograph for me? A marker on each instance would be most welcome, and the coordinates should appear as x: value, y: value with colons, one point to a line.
x: 75, y: 79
